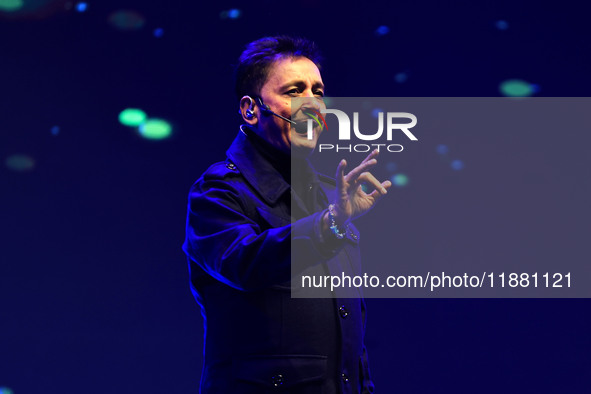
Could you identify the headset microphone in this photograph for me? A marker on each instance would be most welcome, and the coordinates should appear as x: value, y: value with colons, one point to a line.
x: 266, y: 111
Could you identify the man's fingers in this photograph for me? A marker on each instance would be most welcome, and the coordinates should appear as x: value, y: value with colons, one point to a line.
x: 341, y: 171
x: 364, y: 166
x: 373, y: 154
x: 340, y: 178
x: 377, y: 193
x: 368, y: 178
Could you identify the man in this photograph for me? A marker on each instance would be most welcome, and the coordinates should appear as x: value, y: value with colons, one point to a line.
x: 246, y: 214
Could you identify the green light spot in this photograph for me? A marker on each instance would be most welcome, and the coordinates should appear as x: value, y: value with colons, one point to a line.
x: 10, y: 5
x: 399, y: 180
x: 127, y: 20
x: 19, y: 162
x: 516, y: 88
x: 132, y: 117
x: 5, y: 390
x: 328, y: 102
x: 155, y: 129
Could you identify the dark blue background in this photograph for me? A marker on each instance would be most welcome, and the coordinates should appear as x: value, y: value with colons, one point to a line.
x: 94, y: 291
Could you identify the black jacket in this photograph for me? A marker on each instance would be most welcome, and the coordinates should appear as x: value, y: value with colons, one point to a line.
x: 243, y: 215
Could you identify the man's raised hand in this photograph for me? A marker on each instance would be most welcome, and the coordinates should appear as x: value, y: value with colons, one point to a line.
x: 351, y: 201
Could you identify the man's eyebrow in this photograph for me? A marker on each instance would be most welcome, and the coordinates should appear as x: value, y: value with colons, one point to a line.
x: 299, y: 82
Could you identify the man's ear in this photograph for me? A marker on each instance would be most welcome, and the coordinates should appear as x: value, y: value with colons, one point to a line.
x: 248, y: 111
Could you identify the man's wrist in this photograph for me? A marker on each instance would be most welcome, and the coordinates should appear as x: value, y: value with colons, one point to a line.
x: 339, y: 230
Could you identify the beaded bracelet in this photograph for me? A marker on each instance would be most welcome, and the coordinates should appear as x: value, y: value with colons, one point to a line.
x: 333, y: 223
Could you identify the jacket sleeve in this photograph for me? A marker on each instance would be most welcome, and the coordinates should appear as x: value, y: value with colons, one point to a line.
x: 367, y: 385
x: 224, y: 240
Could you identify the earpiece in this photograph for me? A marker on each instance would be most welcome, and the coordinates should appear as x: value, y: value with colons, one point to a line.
x: 249, y: 113
x: 265, y: 110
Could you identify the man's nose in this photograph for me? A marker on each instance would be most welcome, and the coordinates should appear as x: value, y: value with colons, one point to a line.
x: 308, y: 93
x: 311, y: 102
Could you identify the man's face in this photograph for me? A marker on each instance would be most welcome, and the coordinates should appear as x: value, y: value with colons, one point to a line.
x: 289, y: 78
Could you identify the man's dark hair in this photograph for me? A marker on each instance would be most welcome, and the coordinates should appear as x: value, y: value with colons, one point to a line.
x: 254, y: 63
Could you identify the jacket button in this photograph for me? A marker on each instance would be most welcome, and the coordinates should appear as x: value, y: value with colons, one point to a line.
x: 277, y: 380
x: 345, y: 378
x: 343, y: 311
x: 230, y: 166
x: 354, y: 236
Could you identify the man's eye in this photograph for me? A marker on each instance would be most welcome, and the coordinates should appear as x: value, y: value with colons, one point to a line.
x: 293, y: 91
x: 319, y: 93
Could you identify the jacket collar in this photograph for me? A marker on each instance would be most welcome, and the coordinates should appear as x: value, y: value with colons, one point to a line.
x: 256, y: 169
